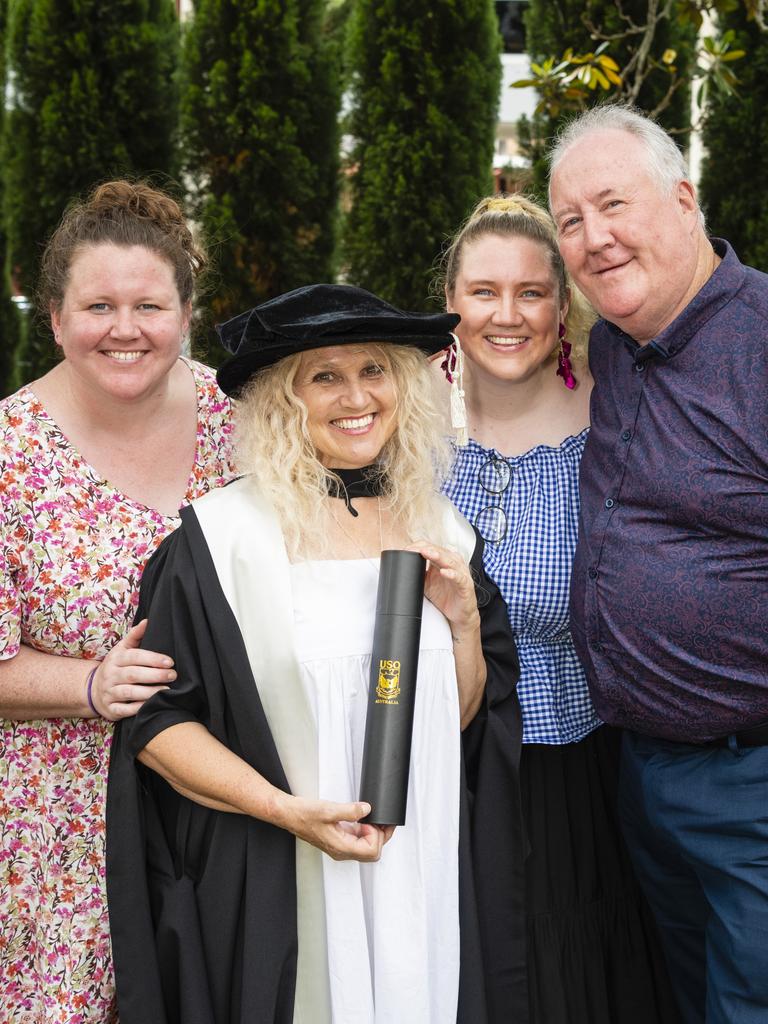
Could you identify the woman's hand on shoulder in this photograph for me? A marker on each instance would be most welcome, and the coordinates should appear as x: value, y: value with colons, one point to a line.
x: 448, y: 585
x: 331, y: 827
x: 128, y: 676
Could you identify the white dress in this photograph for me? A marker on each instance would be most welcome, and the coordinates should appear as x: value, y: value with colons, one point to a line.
x: 392, y: 927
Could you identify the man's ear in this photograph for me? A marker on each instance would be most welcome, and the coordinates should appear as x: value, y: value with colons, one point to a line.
x: 686, y: 197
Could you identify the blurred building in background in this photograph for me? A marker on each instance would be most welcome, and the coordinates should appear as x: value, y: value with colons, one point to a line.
x: 513, y: 103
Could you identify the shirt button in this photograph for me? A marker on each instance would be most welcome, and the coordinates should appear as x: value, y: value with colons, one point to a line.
x: 609, y: 502
x: 597, y: 647
x: 639, y: 367
x: 625, y: 435
x: 592, y: 573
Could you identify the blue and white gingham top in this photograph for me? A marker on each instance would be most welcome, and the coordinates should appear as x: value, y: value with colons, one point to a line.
x: 531, y: 566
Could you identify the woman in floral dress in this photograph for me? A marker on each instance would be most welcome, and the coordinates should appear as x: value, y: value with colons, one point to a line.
x: 96, y: 458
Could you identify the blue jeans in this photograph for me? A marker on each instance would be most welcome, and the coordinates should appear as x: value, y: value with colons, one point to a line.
x: 696, y: 823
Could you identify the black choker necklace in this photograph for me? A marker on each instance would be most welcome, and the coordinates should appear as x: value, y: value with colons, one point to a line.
x: 366, y: 482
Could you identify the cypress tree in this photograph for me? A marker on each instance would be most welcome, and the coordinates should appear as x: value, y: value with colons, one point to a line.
x: 260, y: 96
x: 425, y: 88
x: 9, y: 318
x: 735, y: 169
x: 553, y: 27
x: 92, y: 97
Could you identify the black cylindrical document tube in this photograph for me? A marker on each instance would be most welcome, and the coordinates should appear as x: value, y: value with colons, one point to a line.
x: 392, y: 690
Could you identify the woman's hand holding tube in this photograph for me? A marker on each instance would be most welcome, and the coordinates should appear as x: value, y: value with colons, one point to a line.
x: 333, y: 828
x: 202, y: 769
x: 128, y: 676
x: 448, y: 585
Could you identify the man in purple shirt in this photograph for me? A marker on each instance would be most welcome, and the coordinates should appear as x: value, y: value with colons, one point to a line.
x: 669, y: 595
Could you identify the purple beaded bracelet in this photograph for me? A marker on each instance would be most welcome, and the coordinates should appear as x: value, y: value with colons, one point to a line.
x: 89, y: 687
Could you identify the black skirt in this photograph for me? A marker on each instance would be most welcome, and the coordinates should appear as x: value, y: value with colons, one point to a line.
x: 593, y: 952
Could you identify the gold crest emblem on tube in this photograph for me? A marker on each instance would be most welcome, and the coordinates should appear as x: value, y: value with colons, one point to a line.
x: 388, y: 688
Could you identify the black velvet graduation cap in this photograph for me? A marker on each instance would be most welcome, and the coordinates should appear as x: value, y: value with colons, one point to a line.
x: 319, y: 315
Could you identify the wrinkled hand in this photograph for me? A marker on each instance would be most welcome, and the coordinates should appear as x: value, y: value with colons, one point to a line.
x: 334, y: 828
x: 128, y: 676
x: 448, y: 585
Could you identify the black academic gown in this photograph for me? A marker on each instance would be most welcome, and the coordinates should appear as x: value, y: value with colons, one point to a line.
x: 202, y: 903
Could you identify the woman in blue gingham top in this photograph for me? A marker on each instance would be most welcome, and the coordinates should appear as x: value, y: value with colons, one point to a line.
x: 592, y: 952
x: 531, y: 566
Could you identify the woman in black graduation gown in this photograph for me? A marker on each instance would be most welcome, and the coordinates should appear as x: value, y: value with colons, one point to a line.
x: 242, y: 884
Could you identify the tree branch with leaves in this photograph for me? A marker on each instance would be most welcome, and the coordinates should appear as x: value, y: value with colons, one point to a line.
x: 573, y: 81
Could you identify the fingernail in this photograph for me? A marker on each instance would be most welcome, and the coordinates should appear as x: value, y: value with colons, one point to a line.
x: 170, y: 675
x: 168, y: 662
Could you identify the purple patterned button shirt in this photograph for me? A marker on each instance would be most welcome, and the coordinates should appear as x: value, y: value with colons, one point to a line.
x: 669, y: 595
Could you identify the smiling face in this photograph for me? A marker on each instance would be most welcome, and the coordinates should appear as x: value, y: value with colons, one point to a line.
x: 121, y: 321
x: 631, y: 249
x: 351, y: 403
x: 507, y: 295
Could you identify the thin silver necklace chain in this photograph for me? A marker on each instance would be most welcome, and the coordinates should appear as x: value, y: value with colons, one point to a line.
x: 349, y: 536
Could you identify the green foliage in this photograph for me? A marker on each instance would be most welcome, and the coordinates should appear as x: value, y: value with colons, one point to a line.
x: 335, y: 22
x: 575, y: 27
x: 260, y: 95
x: 720, y: 77
x: 595, y: 52
x: 566, y: 83
x: 425, y: 86
x: 92, y: 97
x: 9, y: 317
x: 735, y: 170
x: 10, y: 340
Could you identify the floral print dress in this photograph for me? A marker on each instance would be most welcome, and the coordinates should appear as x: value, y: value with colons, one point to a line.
x: 72, y: 549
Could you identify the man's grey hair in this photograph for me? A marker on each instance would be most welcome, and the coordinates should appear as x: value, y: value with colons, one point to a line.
x: 665, y: 161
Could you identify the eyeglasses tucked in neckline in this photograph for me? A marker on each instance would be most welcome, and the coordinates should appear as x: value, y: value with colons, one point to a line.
x: 494, y: 476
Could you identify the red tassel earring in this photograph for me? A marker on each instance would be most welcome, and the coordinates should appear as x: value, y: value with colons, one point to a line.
x: 563, y: 361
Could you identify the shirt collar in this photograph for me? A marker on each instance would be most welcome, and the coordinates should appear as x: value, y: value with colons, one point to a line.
x: 716, y: 291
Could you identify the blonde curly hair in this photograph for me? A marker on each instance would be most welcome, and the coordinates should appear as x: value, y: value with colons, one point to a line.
x: 518, y: 216
x: 273, y: 443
